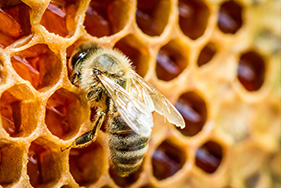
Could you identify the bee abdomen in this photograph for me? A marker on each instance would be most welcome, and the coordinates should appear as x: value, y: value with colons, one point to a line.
x: 127, y: 149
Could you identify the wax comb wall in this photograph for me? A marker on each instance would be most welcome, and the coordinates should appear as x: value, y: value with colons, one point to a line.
x: 217, y: 61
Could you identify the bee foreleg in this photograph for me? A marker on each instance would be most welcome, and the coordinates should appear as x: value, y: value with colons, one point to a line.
x: 89, y: 136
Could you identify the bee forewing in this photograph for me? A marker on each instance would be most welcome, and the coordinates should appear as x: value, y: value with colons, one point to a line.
x: 161, y: 104
x: 135, y: 114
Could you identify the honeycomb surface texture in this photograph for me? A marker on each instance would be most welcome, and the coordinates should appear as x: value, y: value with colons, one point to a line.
x: 217, y: 61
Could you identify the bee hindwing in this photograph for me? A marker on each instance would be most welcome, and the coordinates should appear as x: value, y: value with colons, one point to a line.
x: 135, y: 114
x: 160, y: 103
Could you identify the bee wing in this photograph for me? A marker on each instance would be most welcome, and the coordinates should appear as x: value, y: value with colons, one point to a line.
x: 134, y: 113
x: 160, y: 103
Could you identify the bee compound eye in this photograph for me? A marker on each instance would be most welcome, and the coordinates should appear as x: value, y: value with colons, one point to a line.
x: 78, y: 57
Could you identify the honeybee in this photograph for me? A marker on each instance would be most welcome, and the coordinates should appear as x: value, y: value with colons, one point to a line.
x: 109, y: 83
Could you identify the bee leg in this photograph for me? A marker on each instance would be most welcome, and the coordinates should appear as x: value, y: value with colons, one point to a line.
x: 87, y: 137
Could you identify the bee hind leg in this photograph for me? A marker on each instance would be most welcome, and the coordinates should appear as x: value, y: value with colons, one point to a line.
x: 87, y: 137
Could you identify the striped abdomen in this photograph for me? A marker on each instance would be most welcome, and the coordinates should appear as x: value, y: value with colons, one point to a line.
x: 127, y: 148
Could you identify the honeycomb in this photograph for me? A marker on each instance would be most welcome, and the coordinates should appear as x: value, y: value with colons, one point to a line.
x: 217, y: 61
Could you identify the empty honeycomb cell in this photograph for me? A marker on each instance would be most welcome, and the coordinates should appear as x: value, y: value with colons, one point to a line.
x: 38, y: 65
x: 15, y: 116
x: 44, y: 165
x: 207, y: 53
x: 152, y: 16
x: 104, y: 18
x: 209, y: 156
x: 10, y: 164
x: 251, y: 70
x: 59, y: 17
x: 171, y: 60
x: 230, y: 17
x: 64, y: 114
x: 125, y: 181
x: 87, y: 164
x: 15, y: 23
x: 193, y: 17
x: 167, y: 159
x: 194, y: 111
x: 136, y: 52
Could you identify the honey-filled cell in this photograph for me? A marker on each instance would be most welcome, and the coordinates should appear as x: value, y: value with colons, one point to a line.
x: 209, y: 156
x: 136, y: 52
x: 15, y: 22
x: 152, y: 16
x: 206, y: 54
x: 38, y: 65
x: 106, y: 17
x: 17, y: 115
x: 230, y: 17
x: 87, y: 164
x: 59, y: 17
x: 64, y: 114
x: 44, y: 165
x: 193, y: 17
x: 194, y: 111
x: 251, y: 70
x: 171, y: 60
x: 11, y: 160
x: 167, y: 159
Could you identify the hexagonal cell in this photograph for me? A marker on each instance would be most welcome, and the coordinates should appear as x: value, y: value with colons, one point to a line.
x: 18, y: 116
x: 137, y: 53
x: 38, y: 65
x: 209, y: 156
x: 64, y: 114
x: 104, y: 18
x: 87, y: 164
x: 10, y: 164
x: 194, y: 111
x: 167, y: 159
x: 193, y: 17
x: 207, y: 53
x: 44, y: 165
x: 15, y: 23
x: 171, y: 60
x: 152, y: 16
x: 230, y: 17
x: 59, y: 17
x: 251, y: 70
